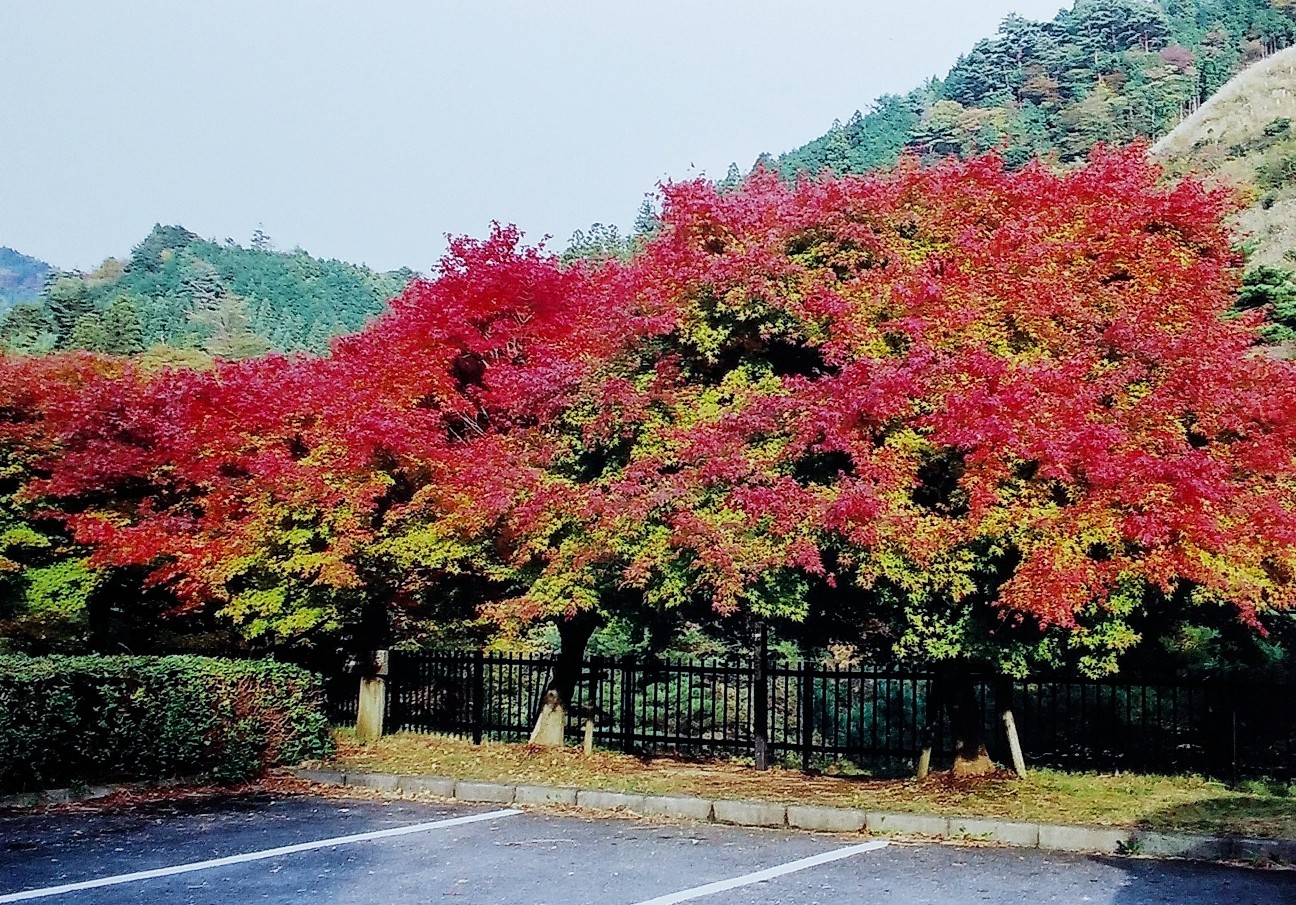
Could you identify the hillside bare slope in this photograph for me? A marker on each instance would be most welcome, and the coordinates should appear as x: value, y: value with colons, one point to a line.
x: 1245, y: 136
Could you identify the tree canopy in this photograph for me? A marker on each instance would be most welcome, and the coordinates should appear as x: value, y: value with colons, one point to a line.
x: 952, y: 412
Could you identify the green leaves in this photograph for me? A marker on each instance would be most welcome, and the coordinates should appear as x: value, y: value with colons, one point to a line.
x: 68, y: 720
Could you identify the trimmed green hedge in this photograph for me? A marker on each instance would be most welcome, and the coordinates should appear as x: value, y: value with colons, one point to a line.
x: 65, y: 721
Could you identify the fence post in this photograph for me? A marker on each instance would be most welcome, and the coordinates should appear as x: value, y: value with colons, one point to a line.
x: 479, y: 695
x: 760, y: 703
x: 806, y: 693
x: 1234, y: 741
x: 627, y: 704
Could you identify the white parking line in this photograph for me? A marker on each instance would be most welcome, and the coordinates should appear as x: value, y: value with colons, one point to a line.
x: 252, y: 856
x: 769, y: 873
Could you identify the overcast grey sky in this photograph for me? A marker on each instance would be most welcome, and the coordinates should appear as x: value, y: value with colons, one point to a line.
x: 366, y: 131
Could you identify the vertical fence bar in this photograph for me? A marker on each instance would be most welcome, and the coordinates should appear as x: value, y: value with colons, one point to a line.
x: 722, y: 681
x: 806, y: 696
x: 760, y: 703
x: 850, y: 703
x: 478, y: 695
x: 873, y: 711
x: 641, y: 708
x: 674, y: 689
x: 627, y: 705
x: 1231, y: 691
x: 711, y: 687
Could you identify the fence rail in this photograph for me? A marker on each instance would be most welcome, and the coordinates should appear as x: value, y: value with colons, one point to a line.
x: 814, y: 713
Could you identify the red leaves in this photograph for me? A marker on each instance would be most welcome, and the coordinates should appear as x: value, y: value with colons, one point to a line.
x: 1056, y: 332
x: 902, y: 369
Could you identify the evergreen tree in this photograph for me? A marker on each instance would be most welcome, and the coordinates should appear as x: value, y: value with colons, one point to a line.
x: 27, y: 327
x: 121, y: 324
x: 68, y: 301
x: 227, y: 328
x: 89, y: 333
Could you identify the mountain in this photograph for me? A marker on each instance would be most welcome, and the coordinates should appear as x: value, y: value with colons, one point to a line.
x: 183, y: 292
x: 1104, y: 70
x: 21, y: 277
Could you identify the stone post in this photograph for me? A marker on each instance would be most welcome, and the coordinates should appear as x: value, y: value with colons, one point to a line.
x: 373, y: 700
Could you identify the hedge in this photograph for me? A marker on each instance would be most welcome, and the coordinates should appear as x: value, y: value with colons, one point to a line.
x: 66, y: 721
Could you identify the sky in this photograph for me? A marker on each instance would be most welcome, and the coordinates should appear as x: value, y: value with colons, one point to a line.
x: 367, y: 132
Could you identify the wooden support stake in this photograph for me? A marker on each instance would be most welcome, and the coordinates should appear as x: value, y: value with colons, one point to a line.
x: 924, y: 762
x: 1003, y: 696
x: 931, y: 720
x: 1014, y: 744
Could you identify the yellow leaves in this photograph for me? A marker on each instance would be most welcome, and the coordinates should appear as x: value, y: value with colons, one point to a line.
x: 274, y: 613
x: 1101, y: 634
x: 553, y: 594
x: 1258, y: 580
x: 61, y: 590
x: 427, y: 545
x: 707, y: 338
x: 256, y: 604
x: 952, y: 574
x: 20, y: 536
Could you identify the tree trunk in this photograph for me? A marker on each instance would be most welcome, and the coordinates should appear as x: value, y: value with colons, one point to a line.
x: 551, y: 722
x: 966, y: 725
x: 931, y: 722
x: 372, y: 630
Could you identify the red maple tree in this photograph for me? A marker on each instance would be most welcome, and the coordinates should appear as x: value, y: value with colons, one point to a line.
x: 980, y: 414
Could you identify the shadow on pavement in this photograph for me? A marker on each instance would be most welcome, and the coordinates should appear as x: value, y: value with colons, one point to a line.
x: 1260, y: 871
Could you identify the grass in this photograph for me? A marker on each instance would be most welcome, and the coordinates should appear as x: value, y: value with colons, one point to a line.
x: 1183, y: 803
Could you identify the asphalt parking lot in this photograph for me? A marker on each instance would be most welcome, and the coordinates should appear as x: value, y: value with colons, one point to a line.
x: 329, y: 851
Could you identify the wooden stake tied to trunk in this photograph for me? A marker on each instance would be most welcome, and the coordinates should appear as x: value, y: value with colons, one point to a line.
x: 1003, y: 699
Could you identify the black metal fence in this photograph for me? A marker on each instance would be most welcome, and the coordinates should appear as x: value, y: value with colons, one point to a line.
x: 815, y: 713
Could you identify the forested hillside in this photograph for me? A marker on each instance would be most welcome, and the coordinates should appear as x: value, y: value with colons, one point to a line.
x: 1104, y: 71
x: 21, y: 277
x: 180, y: 292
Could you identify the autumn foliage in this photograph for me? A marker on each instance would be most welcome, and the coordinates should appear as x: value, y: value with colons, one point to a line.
x: 927, y: 398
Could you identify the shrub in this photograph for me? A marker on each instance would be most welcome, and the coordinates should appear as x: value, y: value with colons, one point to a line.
x: 71, y: 720
x: 1278, y: 127
x: 1278, y: 172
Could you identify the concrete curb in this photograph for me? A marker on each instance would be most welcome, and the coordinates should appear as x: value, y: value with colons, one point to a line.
x: 1049, y: 837
x: 679, y: 807
x: 54, y: 797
